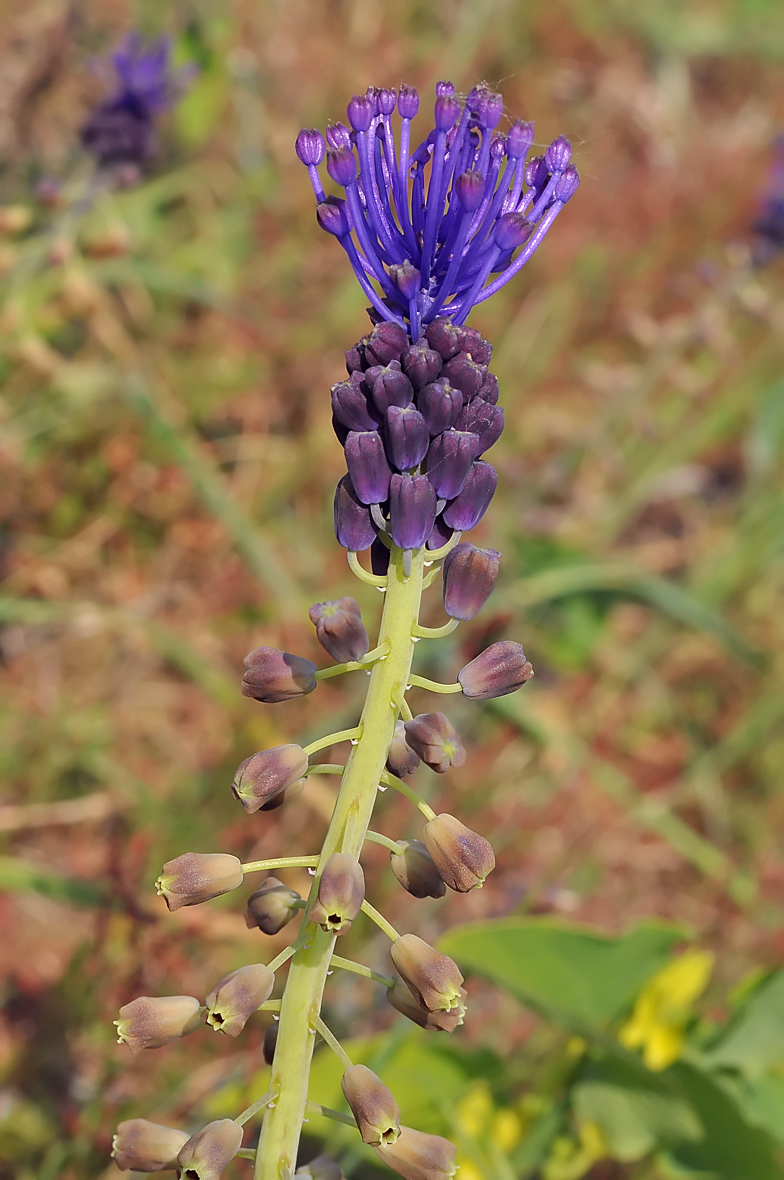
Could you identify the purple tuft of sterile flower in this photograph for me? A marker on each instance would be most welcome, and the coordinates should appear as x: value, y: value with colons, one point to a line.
x: 768, y: 226
x: 435, y: 229
x: 120, y: 131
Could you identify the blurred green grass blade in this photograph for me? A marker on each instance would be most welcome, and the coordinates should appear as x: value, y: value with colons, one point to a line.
x: 19, y: 876
x: 754, y: 1041
x: 673, y: 600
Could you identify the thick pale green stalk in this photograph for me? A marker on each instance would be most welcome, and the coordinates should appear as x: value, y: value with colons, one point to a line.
x: 277, y: 1152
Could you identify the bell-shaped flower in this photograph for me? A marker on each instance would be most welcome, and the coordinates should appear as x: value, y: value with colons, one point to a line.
x: 339, y: 628
x: 433, y: 737
x: 463, y: 858
x: 198, y: 876
x: 375, y: 1110
x: 341, y: 891
x: 271, y: 907
x: 272, y: 676
x: 149, y: 1022
x: 209, y: 1151
x: 235, y: 998
x: 434, y: 978
x: 261, y: 777
x: 416, y: 870
x: 500, y: 669
x: 142, y: 1146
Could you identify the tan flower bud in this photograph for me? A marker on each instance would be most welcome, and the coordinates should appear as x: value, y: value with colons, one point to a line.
x: 152, y: 1021
x: 323, y: 1167
x: 500, y: 669
x: 233, y: 1001
x: 141, y: 1146
x: 417, y: 1156
x: 341, y: 892
x: 401, y: 759
x: 272, y: 676
x: 292, y: 792
x: 402, y: 998
x: 415, y: 870
x: 372, y: 1104
x: 198, y: 876
x: 262, y: 777
x: 433, y: 978
x: 208, y: 1152
x: 433, y: 737
x: 270, y: 908
x: 462, y: 857
x: 339, y: 629
x: 270, y: 1041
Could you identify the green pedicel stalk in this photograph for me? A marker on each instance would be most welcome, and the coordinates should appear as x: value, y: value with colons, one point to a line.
x: 277, y: 1150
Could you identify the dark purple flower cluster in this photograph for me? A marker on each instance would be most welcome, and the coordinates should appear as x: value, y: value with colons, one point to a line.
x: 121, y: 129
x: 431, y: 240
x: 415, y: 421
x: 769, y: 224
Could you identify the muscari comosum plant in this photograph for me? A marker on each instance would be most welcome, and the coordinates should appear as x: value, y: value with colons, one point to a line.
x: 429, y: 233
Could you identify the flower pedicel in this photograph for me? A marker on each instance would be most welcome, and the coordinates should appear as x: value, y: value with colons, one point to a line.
x: 430, y: 230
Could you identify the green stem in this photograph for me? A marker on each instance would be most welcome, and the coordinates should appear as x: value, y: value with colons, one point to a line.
x: 280, y: 1132
x: 361, y: 969
x: 248, y: 1113
x: 380, y: 921
x: 384, y: 841
x: 342, y: 735
x: 325, y: 768
x: 362, y: 574
x: 335, y: 1115
x: 421, y: 632
x: 362, y: 665
x: 330, y: 1039
x: 391, y: 780
x: 281, y: 862
x: 433, y: 685
x: 280, y: 959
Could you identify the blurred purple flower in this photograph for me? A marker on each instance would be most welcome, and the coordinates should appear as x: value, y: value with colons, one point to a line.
x: 768, y: 226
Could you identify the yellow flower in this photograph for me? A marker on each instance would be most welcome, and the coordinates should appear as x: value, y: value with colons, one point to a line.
x: 663, y: 1007
x: 507, y: 1129
x: 475, y: 1110
x: 467, y: 1170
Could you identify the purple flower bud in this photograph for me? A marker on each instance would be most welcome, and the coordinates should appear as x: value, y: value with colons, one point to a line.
x: 421, y: 364
x: 403, y: 999
x: 150, y: 1022
x: 567, y: 184
x: 444, y: 88
x: 338, y: 136
x: 332, y: 216
x: 433, y: 978
x: 323, y: 1167
x: 271, y: 907
x: 371, y: 94
x: 463, y: 858
x: 444, y: 337
x: 367, y: 466
x: 512, y: 230
x: 360, y: 112
x: 489, y: 391
x: 285, y: 796
x: 198, y: 876
x: 489, y: 109
x: 449, y: 462
x: 390, y: 386
x: 469, y: 507
x: 469, y: 577
x: 465, y: 374
x: 233, y: 1001
x: 440, y: 535
x: 385, y: 343
x: 379, y: 558
x: 401, y: 759
x: 407, y: 437
x: 342, y: 166
x: 417, y: 1156
x: 341, y: 891
x: 372, y: 1105
x: 497, y: 146
x: 416, y: 871
x: 558, y: 154
x: 261, y: 777
x: 479, y: 349
x: 536, y: 172
x: 406, y: 278
x: 412, y: 507
x: 386, y: 100
x: 209, y: 1151
x: 433, y: 737
x: 353, y: 360
x: 272, y: 676
x: 486, y: 422
x: 339, y: 629
x: 407, y: 102
x: 351, y: 406
x: 470, y: 188
x: 519, y: 139
x: 447, y: 112
x: 268, y: 1046
x: 439, y: 404
x: 141, y: 1146
x: 500, y: 669
x: 354, y: 526
x: 310, y: 146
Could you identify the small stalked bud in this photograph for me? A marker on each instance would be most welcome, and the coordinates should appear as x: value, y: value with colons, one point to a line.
x: 449, y: 461
x: 352, y: 408
x: 270, y: 1041
x: 558, y: 154
x: 141, y: 1146
x: 567, y: 184
x: 465, y: 374
x: 416, y: 871
x: 500, y: 669
x: 433, y: 737
x: 407, y: 102
x: 469, y: 507
x: 433, y: 978
x: 272, y: 676
x: 462, y: 857
x: 440, y: 404
x: 342, y: 166
x: 323, y: 1167
x: 360, y: 112
x: 402, y: 998
x: 354, y: 526
x: 407, y: 437
x: 412, y: 508
x: 481, y: 350
x: 469, y: 577
x: 338, y: 135
x: 417, y: 1156
x: 470, y: 188
x: 198, y: 876
x: 447, y: 112
x: 484, y: 421
x: 372, y: 1105
x: 367, y: 465
x: 209, y: 1151
x: 233, y: 1001
x: 512, y: 230
x: 536, y: 173
x: 385, y: 343
x: 332, y: 216
x: 150, y: 1022
x: 263, y: 776
x: 401, y: 759
x: 341, y: 892
x: 271, y: 907
x: 406, y: 278
x: 386, y: 100
x: 519, y: 139
x: 339, y: 628
x: 421, y: 364
x: 310, y: 146
x: 389, y: 386
x: 443, y: 336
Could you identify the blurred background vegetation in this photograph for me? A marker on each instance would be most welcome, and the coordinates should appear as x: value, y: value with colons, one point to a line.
x: 166, y: 475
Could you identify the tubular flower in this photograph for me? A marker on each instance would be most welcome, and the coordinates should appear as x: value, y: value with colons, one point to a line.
x: 142, y: 1146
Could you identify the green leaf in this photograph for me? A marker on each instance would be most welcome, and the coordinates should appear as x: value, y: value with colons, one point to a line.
x: 762, y: 1102
x: 755, y: 1040
x: 575, y: 975
x: 20, y: 876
